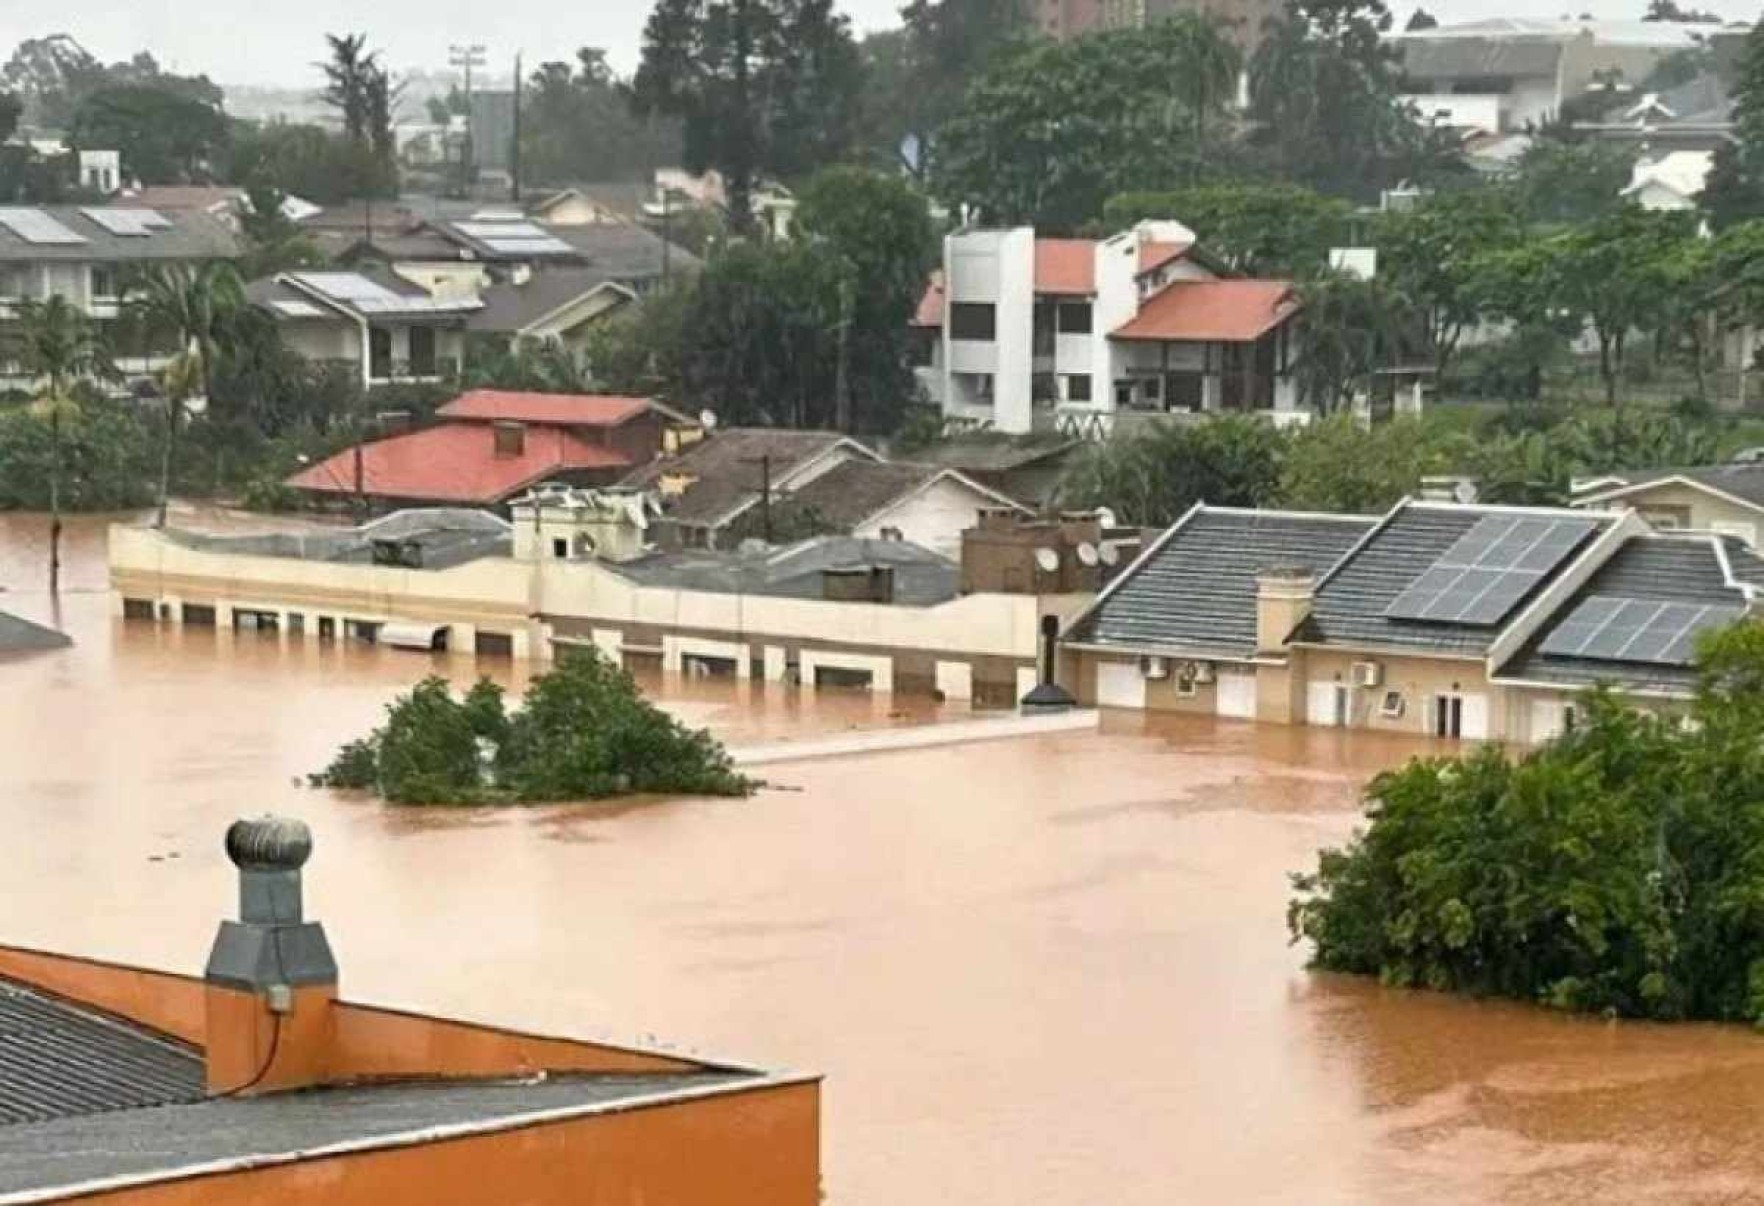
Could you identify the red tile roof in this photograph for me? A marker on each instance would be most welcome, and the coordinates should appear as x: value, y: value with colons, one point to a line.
x: 1065, y: 266
x: 455, y: 462
x: 570, y: 410
x: 1212, y: 312
x: 930, y: 309
x: 1155, y: 255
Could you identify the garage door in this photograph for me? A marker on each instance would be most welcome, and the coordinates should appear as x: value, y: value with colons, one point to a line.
x: 1237, y: 693
x: 1119, y: 685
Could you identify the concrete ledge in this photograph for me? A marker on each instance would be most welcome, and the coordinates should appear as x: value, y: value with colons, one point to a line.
x: 914, y: 737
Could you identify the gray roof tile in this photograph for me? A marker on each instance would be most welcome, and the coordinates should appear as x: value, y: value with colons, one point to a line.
x: 61, y: 1061
x: 1197, y: 590
x: 728, y: 471
x: 1350, y: 605
x: 1669, y: 569
x: 192, y: 235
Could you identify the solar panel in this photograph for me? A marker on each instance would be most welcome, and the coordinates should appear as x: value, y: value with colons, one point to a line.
x: 345, y: 286
x: 544, y: 245
x: 35, y: 226
x: 127, y: 223
x: 1490, y: 569
x: 1609, y: 628
x: 501, y: 230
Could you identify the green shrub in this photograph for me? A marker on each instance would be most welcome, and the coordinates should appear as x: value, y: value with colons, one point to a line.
x: 1619, y: 869
x: 583, y: 732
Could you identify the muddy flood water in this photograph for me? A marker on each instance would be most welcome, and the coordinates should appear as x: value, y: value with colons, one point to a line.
x: 1043, y: 970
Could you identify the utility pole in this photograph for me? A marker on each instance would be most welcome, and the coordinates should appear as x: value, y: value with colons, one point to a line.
x: 842, y: 368
x: 765, y: 463
x: 465, y: 58
x: 514, y: 150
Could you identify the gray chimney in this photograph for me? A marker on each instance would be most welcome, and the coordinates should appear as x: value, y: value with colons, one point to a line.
x: 272, y: 945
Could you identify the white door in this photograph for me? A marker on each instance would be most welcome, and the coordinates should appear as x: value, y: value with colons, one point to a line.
x: 1548, y: 718
x: 1236, y: 694
x: 1324, y: 704
x: 1475, y: 718
x: 1119, y: 685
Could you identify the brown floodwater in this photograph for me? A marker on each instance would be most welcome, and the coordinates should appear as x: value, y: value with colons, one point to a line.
x: 1043, y: 970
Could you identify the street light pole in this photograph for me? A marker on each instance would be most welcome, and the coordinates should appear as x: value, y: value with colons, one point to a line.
x: 465, y: 58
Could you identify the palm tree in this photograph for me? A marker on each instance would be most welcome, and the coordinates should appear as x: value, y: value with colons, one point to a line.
x: 57, y: 345
x: 194, y: 303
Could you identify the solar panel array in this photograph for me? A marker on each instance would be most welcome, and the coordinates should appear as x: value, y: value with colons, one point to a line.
x: 1608, y: 628
x: 546, y: 245
x: 128, y: 223
x: 368, y: 296
x: 1489, y: 569
x: 515, y: 238
x: 35, y: 226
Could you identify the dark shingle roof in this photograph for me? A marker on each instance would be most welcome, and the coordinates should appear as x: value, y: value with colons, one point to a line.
x: 997, y: 453
x: 1457, y: 58
x: 1350, y: 605
x: 59, y: 1061
x: 1197, y: 590
x: 921, y: 577
x: 848, y: 494
x: 510, y: 308
x: 18, y: 635
x: 176, y: 1138
x: 192, y: 235
x: 624, y: 252
x: 728, y: 471
x: 1668, y: 569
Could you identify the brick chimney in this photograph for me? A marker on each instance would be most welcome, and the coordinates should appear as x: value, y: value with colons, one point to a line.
x: 271, y: 980
x: 1284, y: 596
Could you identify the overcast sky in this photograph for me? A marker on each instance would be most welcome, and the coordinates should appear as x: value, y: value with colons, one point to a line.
x: 274, y: 41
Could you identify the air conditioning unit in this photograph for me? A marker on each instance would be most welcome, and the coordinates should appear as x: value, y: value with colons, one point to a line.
x: 1154, y: 667
x: 1202, y: 672
x: 1368, y: 674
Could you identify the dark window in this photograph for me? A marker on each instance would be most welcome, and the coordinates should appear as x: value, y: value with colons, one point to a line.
x: 494, y: 644
x: 1152, y: 389
x: 922, y: 349
x: 973, y: 320
x: 104, y: 282
x: 296, y: 623
x: 137, y: 609
x: 1042, y: 387
x: 379, y: 353
x: 1077, y: 388
x: 1074, y: 318
x: 199, y: 614
x: 422, y: 351
x: 327, y: 628
x: 1186, y: 390
x: 560, y: 547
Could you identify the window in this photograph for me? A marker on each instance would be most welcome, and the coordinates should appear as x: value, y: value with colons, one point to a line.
x: 1448, y: 716
x: 1152, y: 389
x: 11, y: 281
x: 1570, y: 717
x: 1123, y: 393
x: 560, y: 548
x: 1078, y: 388
x: 103, y: 281
x: 973, y: 320
x: 921, y: 350
x: 1393, y: 705
x: 1074, y: 318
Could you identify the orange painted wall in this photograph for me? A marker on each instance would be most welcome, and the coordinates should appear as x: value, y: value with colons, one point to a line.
x: 754, y: 1148
x: 162, y: 1001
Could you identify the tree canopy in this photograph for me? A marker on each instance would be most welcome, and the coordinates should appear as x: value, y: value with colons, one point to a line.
x: 1616, y: 869
x: 164, y: 137
x: 583, y: 732
x: 577, y: 124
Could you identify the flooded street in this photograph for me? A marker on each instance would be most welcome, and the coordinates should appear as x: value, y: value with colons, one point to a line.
x: 1044, y: 970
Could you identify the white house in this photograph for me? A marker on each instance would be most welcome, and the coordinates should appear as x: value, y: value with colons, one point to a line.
x: 384, y: 326
x: 1019, y: 333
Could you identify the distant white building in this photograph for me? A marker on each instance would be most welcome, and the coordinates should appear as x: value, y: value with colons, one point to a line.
x: 1671, y: 181
x: 99, y: 171
x: 1019, y: 333
x: 1509, y: 73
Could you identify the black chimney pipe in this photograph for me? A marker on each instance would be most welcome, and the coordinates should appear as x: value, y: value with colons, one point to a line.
x: 1048, y: 695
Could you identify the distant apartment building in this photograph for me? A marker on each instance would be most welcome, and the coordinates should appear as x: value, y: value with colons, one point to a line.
x: 1019, y: 333
x: 1511, y: 73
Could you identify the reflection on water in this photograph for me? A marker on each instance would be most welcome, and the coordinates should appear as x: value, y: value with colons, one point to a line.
x: 1050, y: 970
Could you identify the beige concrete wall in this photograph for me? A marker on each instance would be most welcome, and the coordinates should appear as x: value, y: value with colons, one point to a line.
x: 1694, y: 509
x: 934, y: 518
x: 323, y: 339
x: 1419, y: 679
x: 444, y: 278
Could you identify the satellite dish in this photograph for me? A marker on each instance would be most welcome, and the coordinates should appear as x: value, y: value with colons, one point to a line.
x: 707, y: 419
x: 1106, y: 518
x: 1047, y: 560
x: 1110, y: 554
x: 1087, y: 555
x: 1465, y: 491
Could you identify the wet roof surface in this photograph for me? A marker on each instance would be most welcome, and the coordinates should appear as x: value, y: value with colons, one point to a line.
x: 58, y: 1060
x: 449, y: 536
x: 921, y: 577
x: 157, y: 1142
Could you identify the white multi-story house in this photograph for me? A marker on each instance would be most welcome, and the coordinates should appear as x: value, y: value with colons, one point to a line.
x: 1019, y: 333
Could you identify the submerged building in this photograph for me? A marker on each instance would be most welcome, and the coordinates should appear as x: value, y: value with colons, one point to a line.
x: 1434, y: 619
x: 259, y: 1082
